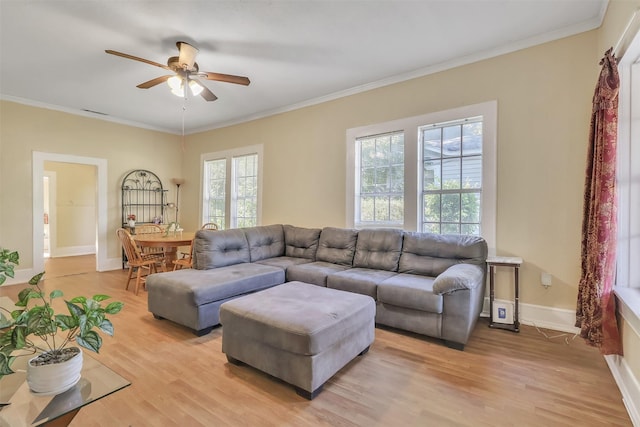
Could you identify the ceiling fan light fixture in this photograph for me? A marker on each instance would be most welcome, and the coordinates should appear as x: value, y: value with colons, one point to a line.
x: 175, y: 82
x: 178, y: 92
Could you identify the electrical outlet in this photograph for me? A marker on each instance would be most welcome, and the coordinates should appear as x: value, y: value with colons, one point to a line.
x: 545, y: 279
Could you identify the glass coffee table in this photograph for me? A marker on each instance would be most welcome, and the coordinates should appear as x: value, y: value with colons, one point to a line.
x: 28, y: 409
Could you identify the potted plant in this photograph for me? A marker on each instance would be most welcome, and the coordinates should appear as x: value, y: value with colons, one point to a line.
x: 34, y: 328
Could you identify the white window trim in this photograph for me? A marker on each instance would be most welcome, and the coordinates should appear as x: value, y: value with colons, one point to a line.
x: 229, y: 155
x: 627, y: 287
x: 410, y: 125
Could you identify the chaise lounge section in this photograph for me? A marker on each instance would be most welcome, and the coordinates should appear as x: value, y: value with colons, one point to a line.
x: 424, y: 283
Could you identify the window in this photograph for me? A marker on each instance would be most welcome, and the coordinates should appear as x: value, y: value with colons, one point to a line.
x: 380, y: 185
x: 452, y: 176
x: 215, y: 193
x: 245, y: 194
x: 231, y: 187
x: 433, y: 173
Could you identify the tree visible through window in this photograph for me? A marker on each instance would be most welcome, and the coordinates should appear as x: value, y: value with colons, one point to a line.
x: 215, y: 195
x: 381, y: 180
x: 452, y: 177
x: 245, y: 181
x: 231, y: 187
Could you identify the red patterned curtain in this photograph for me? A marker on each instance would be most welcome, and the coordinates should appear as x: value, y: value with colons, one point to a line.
x: 596, y: 311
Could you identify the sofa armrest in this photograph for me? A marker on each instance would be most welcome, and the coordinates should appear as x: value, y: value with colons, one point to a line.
x: 458, y: 276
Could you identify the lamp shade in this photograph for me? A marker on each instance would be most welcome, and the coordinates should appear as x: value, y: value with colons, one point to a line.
x: 175, y: 82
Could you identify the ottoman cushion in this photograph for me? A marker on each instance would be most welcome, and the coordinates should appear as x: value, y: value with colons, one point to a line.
x: 298, y: 317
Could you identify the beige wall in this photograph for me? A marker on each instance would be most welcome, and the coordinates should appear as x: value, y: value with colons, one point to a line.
x: 616, y: 19
x: 75, y: 203
x: 544, y: 96
x: 24, y: 129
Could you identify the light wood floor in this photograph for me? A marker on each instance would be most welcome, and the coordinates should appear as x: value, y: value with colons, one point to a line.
x: 501, y: 379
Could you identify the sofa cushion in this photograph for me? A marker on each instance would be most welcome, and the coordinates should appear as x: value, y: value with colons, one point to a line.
x: 410, y: 291
x: 213, y: 249
x: 265, y: 241
x: 202, y: 287
x: 378, y: 249
x: 431, y: 254
x: 315, y: 273
x: 359, y: 280
x: 301, y: 242
x: 284, y: 262
x: 337, y: 245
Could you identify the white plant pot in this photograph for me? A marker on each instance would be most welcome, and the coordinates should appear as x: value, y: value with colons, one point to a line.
x: 55, y: 378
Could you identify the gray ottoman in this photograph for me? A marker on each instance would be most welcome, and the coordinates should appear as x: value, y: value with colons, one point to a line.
x: 300, y: 333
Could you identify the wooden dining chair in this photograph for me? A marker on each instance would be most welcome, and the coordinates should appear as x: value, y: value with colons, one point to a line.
x: 150, y: 229
x: 138, y: 261
x: 186, y: 261
x: 209, y: 226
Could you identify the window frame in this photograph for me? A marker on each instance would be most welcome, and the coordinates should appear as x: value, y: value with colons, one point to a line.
x: 413, y: 165
x: 229, y: 156
x: 627, y: 284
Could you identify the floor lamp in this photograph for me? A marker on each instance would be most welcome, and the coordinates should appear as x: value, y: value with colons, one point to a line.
x: 178, y: 182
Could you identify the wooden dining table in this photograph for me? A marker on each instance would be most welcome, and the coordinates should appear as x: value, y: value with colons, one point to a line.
x: 170, y: 242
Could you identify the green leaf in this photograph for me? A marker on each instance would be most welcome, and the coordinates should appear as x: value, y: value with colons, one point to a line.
x: 90, y: 340
x: 55, y: 294
x: 36, y: 279
x: 18, y: 337
x: 2, y: 279
x: 4, y: 321
x: 100, y: 297
x: 25, y: 295
x: 5, y: 364
x: 80, y: 300
x: 74, y: 309
x: 114, y: 307
x: 65, y: 322
x: 13, y: 257
x: 107, y: 327
x: 92, y: 305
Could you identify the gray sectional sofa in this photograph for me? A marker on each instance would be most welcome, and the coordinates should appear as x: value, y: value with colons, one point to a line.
x: 425, y: 283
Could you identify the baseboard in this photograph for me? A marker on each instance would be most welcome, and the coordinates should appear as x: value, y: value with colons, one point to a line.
x: 557, y: 319
x: 73, y: 251
x: 112, y: 264
x: 628, y: 385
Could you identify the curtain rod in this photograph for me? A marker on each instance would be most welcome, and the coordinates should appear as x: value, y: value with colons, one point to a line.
x: 624, y: 34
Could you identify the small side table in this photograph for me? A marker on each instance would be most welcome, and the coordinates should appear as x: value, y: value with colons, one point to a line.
x: 504, y: 261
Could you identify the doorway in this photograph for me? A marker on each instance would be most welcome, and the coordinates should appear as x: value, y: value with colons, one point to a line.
x: 69, y: 220
x: 98, y: 233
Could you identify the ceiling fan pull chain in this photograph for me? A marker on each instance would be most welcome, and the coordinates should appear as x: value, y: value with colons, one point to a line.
x: 184, y: 110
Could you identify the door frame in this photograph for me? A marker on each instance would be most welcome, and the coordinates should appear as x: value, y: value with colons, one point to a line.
x: 38, y: 205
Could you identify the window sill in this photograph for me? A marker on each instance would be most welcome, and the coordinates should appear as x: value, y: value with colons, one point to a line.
x: 629, y: 306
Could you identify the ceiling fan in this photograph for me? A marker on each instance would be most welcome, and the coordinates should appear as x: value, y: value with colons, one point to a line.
x: 185, y: 73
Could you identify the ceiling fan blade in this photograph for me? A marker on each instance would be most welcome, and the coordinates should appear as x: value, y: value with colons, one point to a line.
x: 207, y: 94
x: 228, y: 78
x: 135, y: 58
x: 154, y: 82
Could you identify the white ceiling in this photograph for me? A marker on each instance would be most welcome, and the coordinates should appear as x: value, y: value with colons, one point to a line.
x: 296, y: 53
